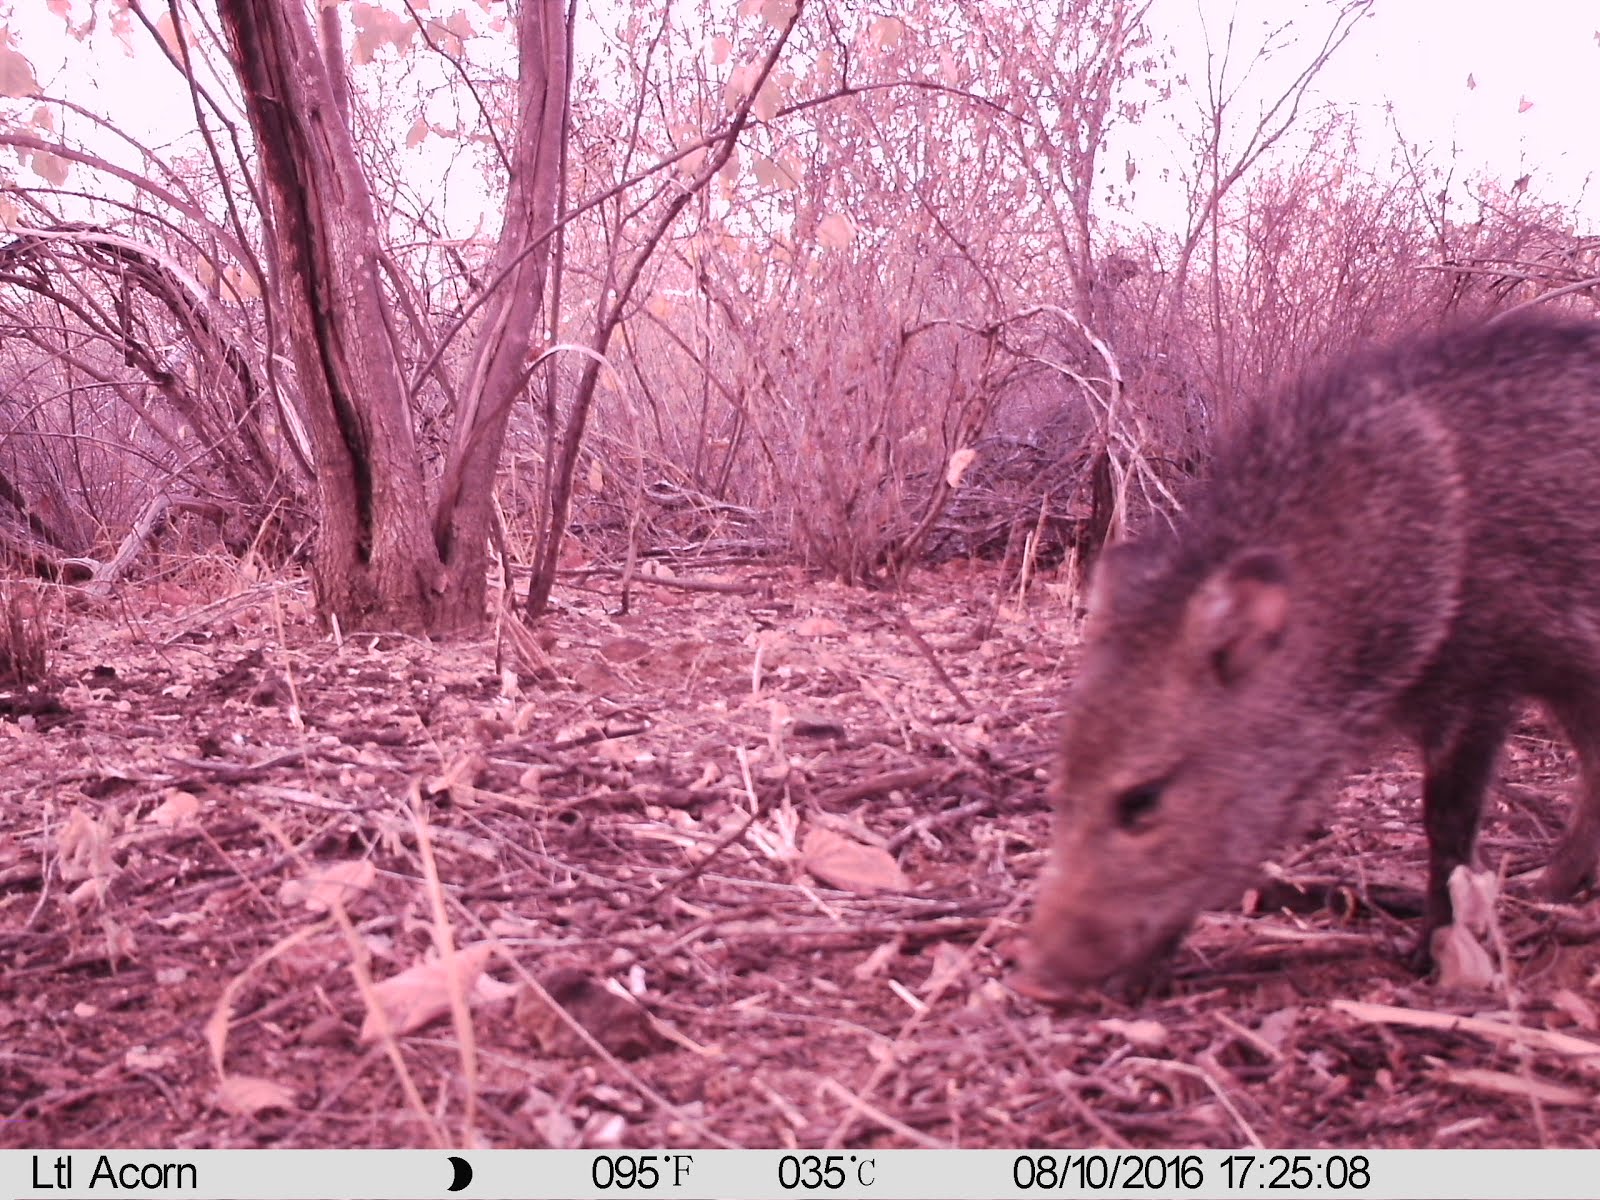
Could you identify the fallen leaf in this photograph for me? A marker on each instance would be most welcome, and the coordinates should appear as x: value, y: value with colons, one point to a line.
x: 178, y: 808
x: 84, y: 846
x: 1462, y: 961
x: 142, y: 1058
x: 849, y: 865
x: 1142, y: 1035
x: 624, y: 649
x: 960, y: 460
x: 597, y: 678
x: 819, y: 627
x: 247, y: 1095
x: 613, y: 1019
x: 949, y: 962
x: 343, y: 882
x: 1276, y: 1027
x: 1473, y: 896
x: 460, y: 778
x: 421, y: 993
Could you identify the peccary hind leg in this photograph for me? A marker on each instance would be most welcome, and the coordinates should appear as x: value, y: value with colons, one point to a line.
x: 1457, y: 756
x: 1572, y: 864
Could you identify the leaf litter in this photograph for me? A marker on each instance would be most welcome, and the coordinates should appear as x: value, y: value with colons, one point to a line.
x: 744, y: 867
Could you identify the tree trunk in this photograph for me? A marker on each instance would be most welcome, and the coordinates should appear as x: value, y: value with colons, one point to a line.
x: 1103, y: 515
x: 374, y: 561
x: 498, y: 364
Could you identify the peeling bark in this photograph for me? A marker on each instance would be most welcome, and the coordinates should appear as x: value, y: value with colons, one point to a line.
x: 374, y: 561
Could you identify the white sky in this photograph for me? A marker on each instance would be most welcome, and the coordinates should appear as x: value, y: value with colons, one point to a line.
x: 1415, y: 54
x: 1418, y: 54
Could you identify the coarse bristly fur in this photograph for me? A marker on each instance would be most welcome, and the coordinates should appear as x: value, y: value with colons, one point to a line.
x: 1411, y: 541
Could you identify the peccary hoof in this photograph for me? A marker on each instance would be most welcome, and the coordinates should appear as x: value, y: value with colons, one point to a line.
x: 1024, y: 983
x: 1420, y: 959
x: 1571, y: 868
x: 1128, y: 988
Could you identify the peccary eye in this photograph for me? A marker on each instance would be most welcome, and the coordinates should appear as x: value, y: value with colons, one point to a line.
x: 1136, y: 807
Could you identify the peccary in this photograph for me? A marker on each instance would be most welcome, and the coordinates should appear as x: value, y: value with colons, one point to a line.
x: 1409, y: 541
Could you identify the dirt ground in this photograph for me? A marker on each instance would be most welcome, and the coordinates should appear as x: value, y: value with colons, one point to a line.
x: 740, y: 867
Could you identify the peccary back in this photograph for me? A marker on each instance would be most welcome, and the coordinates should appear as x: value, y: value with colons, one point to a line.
x: 1410, y: 540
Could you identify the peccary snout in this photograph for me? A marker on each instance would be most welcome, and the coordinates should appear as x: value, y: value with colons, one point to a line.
x: 1164, y: 805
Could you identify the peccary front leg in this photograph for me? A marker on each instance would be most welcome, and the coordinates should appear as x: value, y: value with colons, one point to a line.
x: 1458, y: 754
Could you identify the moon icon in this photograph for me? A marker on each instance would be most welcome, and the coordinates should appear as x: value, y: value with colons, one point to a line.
x: 461, y: 1173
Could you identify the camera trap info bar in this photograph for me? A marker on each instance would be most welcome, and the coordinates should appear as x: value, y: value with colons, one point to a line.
x: 774, y: 1174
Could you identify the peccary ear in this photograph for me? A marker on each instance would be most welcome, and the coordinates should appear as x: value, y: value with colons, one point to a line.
x: 1119, y: 569
x: 1236, y: 617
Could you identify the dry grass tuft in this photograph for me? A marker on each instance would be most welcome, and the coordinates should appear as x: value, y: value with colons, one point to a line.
x: 26, y: 619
